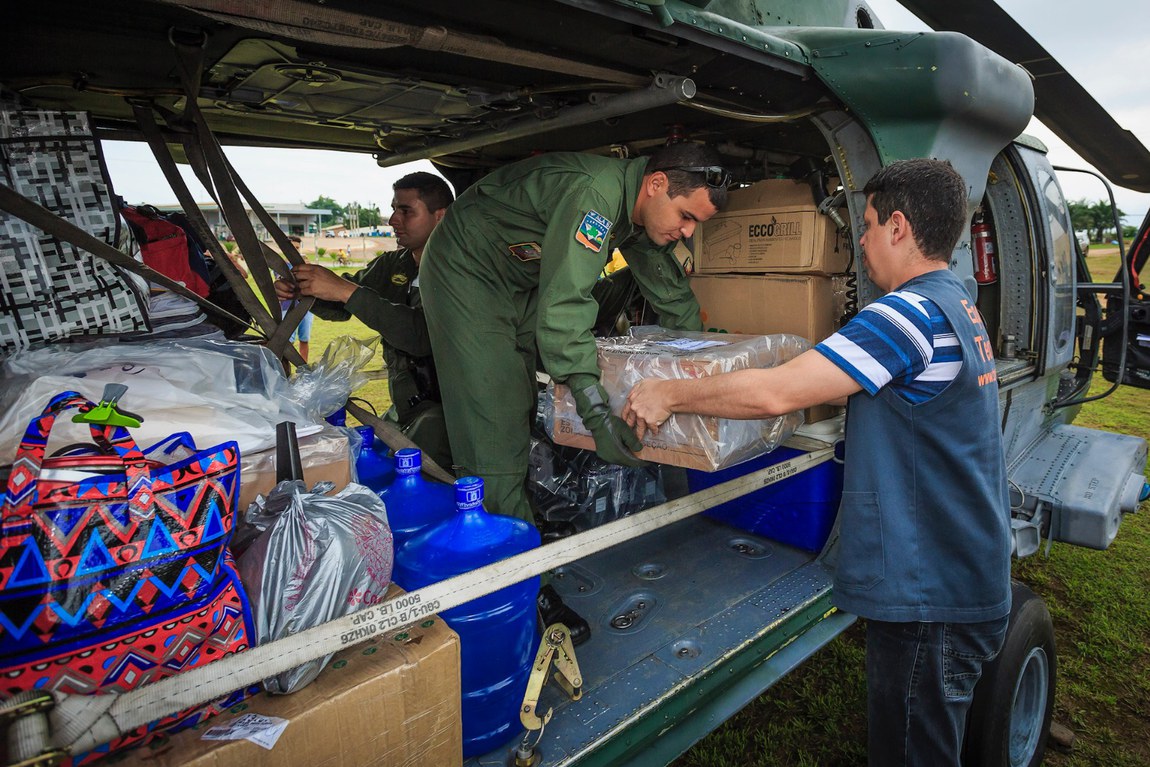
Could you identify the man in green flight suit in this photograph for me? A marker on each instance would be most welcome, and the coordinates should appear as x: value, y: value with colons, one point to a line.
x: 385, y: 297
x: 509, y: 274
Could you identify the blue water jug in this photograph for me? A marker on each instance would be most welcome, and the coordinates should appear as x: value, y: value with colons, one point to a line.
x: 497, y: 633
x: 412, y: 502
x: 374, y: 467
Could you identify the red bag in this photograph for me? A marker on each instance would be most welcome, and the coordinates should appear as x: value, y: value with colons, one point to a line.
x: 165, y: 247
x: 114, y: 569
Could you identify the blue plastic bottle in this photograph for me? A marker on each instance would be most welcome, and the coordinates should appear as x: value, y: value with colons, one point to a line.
x: 497, y: 633
x: 412, y: 502
x: 374, y: 467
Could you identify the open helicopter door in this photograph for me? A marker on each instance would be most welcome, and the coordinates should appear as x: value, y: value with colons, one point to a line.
x: 1126, y: 337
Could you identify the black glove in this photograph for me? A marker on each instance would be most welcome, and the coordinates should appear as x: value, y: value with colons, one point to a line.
x: 615, y: 441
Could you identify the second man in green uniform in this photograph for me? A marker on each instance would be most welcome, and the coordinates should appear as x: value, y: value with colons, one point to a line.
x: 385, y: 297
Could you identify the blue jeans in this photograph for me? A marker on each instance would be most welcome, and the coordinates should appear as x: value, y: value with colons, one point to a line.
x: 920, y: 683
x: 303, y: 331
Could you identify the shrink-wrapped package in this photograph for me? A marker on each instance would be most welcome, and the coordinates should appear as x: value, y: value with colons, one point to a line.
x: 692, y: 441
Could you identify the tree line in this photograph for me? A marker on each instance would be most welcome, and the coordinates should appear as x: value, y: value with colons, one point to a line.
x: 1097, y: 219
x: 353, y: 215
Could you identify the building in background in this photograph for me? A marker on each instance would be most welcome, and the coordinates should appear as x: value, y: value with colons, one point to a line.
x: 292, y: 218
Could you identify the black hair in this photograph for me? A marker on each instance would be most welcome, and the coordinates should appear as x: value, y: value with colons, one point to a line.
x: 433, y: 191
x: 690, y: 155
x: 932, y: 196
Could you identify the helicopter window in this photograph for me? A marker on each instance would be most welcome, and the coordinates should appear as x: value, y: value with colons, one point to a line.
x: 1061, y: 264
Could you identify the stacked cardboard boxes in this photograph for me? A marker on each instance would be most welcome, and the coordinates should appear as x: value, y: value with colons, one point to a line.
x: 766, y: 265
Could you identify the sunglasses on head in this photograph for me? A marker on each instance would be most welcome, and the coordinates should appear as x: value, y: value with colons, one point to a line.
x: 713, y: 176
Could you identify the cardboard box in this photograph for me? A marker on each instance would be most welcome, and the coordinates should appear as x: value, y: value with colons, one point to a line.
x: 772, y: 226
x: 692, y: 441
x: 391, y: 702
x: 325, y: 456
x: 768, y: 304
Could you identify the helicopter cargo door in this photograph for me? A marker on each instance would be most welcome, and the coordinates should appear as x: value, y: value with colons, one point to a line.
x: 1126, y: 355
x: 1136, y: 343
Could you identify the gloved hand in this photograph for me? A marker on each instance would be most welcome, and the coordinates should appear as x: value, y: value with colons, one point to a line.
x: 615, y: 441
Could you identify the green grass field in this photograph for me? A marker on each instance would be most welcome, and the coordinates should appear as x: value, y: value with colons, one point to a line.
x: 816, y: 716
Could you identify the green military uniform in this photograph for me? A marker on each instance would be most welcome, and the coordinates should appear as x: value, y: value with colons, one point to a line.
x: 510, y: 270
x: 388, y: 302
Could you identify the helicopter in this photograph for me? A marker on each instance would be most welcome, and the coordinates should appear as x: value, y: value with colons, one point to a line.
x: 820, y: 94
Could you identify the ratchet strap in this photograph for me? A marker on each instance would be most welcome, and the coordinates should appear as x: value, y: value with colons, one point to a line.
x: 82, y: 722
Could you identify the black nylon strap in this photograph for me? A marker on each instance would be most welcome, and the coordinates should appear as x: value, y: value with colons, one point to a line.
x: 397, y: 440
x: 189, y: 60
x: 21, y: 207
x: 159, y: 147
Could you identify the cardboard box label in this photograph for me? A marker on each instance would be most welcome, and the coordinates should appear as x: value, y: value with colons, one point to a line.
x: 771, y: 227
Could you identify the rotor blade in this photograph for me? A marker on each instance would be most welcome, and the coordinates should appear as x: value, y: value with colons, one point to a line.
x: 1064, y: 106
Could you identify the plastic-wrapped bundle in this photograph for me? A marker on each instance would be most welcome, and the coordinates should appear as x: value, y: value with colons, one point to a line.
x: 693, y: 441
x: 578, y: 487
x: 318, y: 558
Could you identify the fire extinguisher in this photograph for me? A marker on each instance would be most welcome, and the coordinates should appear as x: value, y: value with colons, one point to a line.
x: 985, y: 258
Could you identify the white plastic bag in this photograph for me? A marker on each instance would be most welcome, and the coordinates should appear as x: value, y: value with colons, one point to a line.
x: 217, y: 390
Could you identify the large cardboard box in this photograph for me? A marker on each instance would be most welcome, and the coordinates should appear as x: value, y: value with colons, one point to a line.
x: 325, y: 456
x: 767, y: 304
x: 692, y: 441
x: 768, y: 227
x: 392, y: 702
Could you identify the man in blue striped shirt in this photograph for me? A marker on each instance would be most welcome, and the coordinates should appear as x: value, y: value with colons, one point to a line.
x: 904, y: 340
x: 924, y: 550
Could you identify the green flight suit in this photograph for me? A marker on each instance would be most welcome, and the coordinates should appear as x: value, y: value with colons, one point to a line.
x: 510, y: 270
x: 388, y: 302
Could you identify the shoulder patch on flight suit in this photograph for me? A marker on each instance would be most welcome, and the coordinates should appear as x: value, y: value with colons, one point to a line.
x: 526, y: 251
x: 592, y: 231
x: 399, y: 278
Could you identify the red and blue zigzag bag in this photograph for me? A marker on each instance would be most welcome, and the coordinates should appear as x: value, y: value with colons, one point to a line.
x: 114, y: 568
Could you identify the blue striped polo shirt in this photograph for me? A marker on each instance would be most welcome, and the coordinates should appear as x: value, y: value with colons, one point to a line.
x: 902, y: 339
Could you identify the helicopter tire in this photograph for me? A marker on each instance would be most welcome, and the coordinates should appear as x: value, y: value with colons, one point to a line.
x: 1009, y: 720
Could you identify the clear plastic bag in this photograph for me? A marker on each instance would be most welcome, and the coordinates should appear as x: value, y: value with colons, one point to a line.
x: 217, y: 390
x: 692, y: 441
x: 585, y: 490
x: 322, y: 388
x: 316, y: 558
x: 577, y: 487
